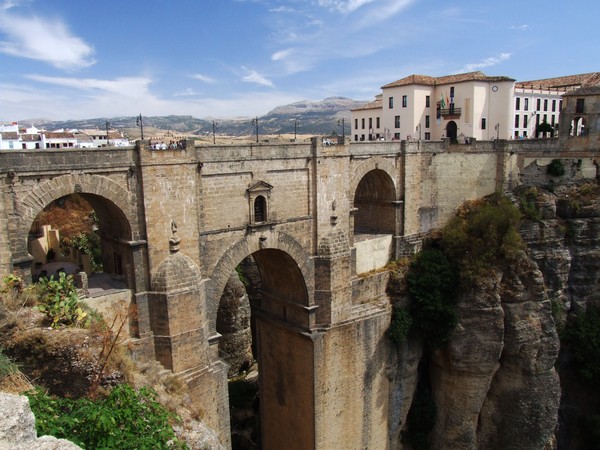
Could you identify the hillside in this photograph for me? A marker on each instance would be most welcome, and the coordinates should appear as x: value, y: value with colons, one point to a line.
x: 308, y: 117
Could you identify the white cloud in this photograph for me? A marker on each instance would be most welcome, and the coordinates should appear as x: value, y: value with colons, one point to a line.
x: 254, y: 77
x: 204, y: 78
x: 344, y: 6
x: 126, y: 86
x: 43, y: 40
x: 487, y: 62
x: 523, y: 27
x: 282, y: 54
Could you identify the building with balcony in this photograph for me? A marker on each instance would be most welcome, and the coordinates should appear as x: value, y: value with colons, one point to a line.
x: 458, y: 107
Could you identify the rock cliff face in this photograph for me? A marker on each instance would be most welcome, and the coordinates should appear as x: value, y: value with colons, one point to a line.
x: 495, y: 385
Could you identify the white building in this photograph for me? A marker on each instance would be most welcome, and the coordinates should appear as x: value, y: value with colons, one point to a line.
x: 540, y: 101
x: 462, y: 107
x: 458, y: 107
x: 12, y: 137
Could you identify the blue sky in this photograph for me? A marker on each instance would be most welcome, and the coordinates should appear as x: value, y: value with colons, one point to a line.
x: 72, y: 59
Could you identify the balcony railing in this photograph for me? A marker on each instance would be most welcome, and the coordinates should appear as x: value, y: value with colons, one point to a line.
x: 450, y: 111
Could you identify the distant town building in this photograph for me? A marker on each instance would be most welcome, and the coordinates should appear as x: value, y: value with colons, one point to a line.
x: 462, y: 107
x: 13, y: 137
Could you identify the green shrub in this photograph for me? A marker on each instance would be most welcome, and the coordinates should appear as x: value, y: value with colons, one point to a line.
x: 482, y: 235
x: 432, y: 284
x: 556, y: 168
x: 60, y: 302
x: 527, y: 204
x: 583, y: 338
x: 126, y: 419
x: 89, y: 243
x: 399, y: 325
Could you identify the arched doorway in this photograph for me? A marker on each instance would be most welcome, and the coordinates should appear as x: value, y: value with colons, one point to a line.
x: 283, y: 409
x: 452, y: 131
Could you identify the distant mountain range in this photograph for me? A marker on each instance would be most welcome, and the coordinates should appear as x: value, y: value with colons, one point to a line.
x: 316, y: 118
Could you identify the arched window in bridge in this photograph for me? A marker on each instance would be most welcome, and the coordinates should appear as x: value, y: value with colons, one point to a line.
x: 260, y: 209
x: 258, y: 202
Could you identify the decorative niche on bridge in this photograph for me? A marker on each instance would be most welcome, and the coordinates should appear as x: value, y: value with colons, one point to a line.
x: 258, y: 202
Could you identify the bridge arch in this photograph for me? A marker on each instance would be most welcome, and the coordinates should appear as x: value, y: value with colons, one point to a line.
x: 374, y: 195
x: 252, y: 244
x: 284, y: 348
x: 111, y: 202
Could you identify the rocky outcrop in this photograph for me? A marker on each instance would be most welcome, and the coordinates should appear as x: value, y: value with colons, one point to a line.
x: 494, y: 384
x: 233, y: 322
x: 565, y: 244
x: 17, y: 427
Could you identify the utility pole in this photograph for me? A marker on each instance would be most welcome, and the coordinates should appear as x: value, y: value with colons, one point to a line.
x: 255, y: 122
x: 107, y: 126
x: 341, y: 122
x: 140, y: 123
x: 214, y: 136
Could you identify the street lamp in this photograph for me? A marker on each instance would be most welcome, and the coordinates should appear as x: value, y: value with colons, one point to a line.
x: 295, y: 129
x: 418, y: 129
x: 214, y: 136
x: 341, y: 122
x: 107, y: 126
x: 255, y: 122
x: 140, y: 123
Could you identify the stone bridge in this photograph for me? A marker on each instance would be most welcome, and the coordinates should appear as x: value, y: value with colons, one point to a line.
x: 320, y: 223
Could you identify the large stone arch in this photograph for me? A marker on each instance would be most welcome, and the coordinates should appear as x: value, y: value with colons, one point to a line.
x: 45, y: 193
x: 374, y: 199
x: 367, y: 166
x: 250, y: 244
x: 115, y: 208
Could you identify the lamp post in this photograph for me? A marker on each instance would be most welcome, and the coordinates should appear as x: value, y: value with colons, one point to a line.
x: 214, y: 135
x: 341, y: 122
x: 107, y: 126
x: 255, y: 122
x: 140, y: 123
x: 295, y: 129
x: 418, y: 129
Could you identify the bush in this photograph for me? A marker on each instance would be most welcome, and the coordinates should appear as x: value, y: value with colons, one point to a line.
x: 126, y: 419
x: 60, y: 302
x: 556, y: 168
x: 482, y: 235
x: 432, y: 284
x: 527, y: 204
x: 399, y: 325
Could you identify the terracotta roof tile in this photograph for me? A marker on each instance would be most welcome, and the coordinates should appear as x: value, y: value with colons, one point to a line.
x: 375, y: 104
x: 12, y: 135
x: 586, y: 90
x: 30, y: 137
x: 446, y: 79
x: 566, y: 82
